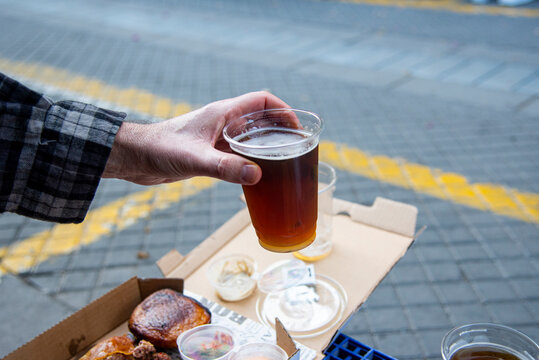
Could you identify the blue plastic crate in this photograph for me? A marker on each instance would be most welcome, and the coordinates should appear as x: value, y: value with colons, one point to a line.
x: 344, y: 347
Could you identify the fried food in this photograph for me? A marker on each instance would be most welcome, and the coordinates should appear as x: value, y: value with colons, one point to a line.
x: 123, y: 348
x: 164, y: 315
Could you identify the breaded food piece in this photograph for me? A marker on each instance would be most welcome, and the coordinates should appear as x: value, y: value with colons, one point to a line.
x: 164, y: 315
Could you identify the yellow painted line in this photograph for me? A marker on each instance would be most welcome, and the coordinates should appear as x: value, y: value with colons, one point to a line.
x: 443, y: 185
x: 460, y: 7
x: 117, y: 215
x: 137, y: 100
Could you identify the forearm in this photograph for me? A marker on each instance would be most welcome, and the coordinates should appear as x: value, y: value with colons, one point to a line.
x: 53, y: 154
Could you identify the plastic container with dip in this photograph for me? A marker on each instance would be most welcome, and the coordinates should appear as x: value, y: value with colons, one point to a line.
x: 206, y: 342
x: 232, y: 277
x: 259, y: 351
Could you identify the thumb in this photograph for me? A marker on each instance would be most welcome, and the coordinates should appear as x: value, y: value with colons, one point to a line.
x: 230, y: 167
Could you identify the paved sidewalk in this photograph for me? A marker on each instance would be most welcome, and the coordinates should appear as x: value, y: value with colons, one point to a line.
x: 456, y: 94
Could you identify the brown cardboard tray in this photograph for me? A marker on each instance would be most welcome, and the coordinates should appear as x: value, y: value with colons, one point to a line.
x: 367, y: 243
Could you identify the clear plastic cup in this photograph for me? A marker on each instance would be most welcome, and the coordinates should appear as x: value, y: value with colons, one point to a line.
x: 322, y: 244
x: 489, y: 342
x: 259, y: 351
x: 206, y: 342
x: 283, y: 205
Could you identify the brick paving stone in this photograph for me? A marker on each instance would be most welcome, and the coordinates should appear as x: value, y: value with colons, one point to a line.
x: 524, y: 267
x: 471, y: 70
x: 527, y: 288
x: 468, y: 252
x: 436, y: 68
x: 8, y: 233
x: 468, y: 313
x: 511, y: 313
x: 456, y: 292
x: 505, y: 249
x: 10, y: 220
x: 529, y: 85
x: 494, y: 290
x: 383, y: 296
x: 416, y: 294
x: 128, y: 239
x: 429, y: 317
x: 433, y: 253
x: 48, y: 283
x: 481, y: 270
x: 75, y: 299
x: 431, y: 341
x: 79, y: 280
x: 402, y: 343
x: 101, y: 290
x: 444, y: 271
x: 148, y: 271
x: 121, y: 257
x: 52, y: 265
x: 408, y: 274
x: 86, y: 259
x: 507, y: 77
x: 358, y: 325
x: 114, y: 276
x: 387, y: 319
x: 532, y: 331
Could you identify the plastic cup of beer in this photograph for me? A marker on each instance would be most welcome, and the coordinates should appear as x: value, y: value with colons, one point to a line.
x: 283, y: 205
x: 322, y: 244
x: 488, y: 342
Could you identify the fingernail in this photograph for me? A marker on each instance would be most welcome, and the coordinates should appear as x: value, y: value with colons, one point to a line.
x: 248, y: 174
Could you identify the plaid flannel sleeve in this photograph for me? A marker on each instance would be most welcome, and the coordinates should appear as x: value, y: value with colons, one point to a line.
x: 52, y: 155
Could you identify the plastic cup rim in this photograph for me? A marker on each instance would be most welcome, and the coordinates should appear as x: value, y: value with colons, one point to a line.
x: 479, y: 326
x: 333, y: 177
x: 315, y: 134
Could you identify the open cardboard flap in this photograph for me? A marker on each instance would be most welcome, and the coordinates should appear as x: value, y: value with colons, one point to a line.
x: 106, y: 316
x: 367, y: 243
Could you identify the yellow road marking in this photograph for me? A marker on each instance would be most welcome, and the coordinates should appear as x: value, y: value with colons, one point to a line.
x: 453, y: 6
x: 443, y: 185
x: 117, y: 215
x: 135, y: 99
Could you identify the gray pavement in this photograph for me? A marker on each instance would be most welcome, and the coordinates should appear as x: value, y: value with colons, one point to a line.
x: 450, y: 91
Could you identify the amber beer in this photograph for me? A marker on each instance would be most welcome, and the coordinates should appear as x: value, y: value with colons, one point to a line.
x: 283, y: 205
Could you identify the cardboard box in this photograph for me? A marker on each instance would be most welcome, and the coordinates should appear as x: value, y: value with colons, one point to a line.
x: 368, y: 242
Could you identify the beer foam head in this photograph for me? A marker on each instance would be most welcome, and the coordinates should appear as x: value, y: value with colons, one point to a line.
x: 274, y: 143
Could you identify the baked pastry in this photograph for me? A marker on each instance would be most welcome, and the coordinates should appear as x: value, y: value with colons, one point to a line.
x: 164, y: 315
x: 123, y: 348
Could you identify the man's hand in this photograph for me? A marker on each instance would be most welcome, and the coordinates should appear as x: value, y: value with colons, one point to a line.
x: 188, y: 145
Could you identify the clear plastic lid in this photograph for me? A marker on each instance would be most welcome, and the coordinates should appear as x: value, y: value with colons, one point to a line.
x: 282, y: 275
x: 259, y: 351
x: 305, y: 310
x: 206, y: 342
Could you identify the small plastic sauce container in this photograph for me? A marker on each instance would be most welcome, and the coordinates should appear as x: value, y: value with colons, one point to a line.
x: 232, y: 277
x: 259, y: 351
x: 206, y: 342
